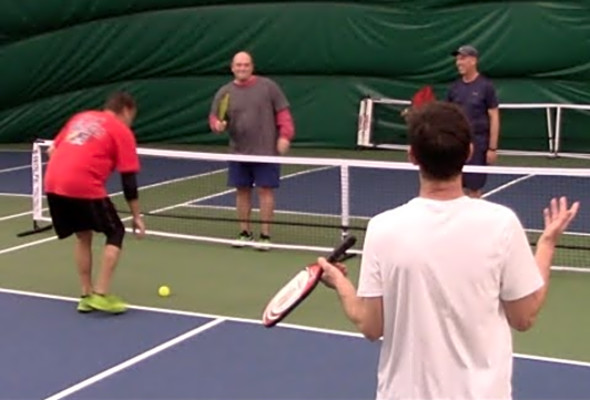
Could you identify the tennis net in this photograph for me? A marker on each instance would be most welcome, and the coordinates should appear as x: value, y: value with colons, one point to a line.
x: 548, y: 129
x: 184, y: 195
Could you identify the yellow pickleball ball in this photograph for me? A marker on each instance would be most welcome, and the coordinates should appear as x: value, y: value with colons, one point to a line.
x: 164, y: 291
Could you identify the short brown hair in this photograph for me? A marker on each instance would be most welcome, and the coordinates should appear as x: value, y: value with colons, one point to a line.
x: 440, y: 138
x: 119, y: 101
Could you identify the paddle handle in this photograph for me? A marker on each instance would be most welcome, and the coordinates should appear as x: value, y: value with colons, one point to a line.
x: 341, y: 249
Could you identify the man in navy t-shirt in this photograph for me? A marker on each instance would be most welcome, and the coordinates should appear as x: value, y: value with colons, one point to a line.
x: 477, y: 97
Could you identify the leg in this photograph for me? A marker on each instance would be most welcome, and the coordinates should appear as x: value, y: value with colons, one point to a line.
x: 267, y: 204
x: 267, y: 179
x: 244, y: 207
x: 240, y: 177
x: 69, y: 216
x: 107, y: 221
x: 83, y: 254
x: 110, y: 259
x: 473, y: 183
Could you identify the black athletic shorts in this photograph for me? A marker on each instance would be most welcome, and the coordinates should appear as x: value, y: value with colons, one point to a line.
x: 70, y: 215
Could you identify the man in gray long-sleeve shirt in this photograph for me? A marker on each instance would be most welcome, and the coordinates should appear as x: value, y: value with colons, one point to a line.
x: 259, y: 123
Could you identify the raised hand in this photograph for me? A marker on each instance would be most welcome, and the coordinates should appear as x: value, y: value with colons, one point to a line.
x: 557, y: 218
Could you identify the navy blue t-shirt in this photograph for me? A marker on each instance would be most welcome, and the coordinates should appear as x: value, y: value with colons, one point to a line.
x: 475, y: 98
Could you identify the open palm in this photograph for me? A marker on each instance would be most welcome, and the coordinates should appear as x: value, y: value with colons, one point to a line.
x: 558, y: 217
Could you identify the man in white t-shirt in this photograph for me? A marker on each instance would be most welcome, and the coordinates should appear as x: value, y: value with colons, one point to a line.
x: 444, y: 277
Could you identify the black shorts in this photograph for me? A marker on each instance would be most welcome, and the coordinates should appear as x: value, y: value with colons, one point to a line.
x: 70, y: 215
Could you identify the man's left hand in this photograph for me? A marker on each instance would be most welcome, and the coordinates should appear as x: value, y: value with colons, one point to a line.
x: 491, y: 157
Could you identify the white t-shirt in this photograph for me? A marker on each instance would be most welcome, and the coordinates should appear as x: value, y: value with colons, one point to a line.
x: 442, y: 268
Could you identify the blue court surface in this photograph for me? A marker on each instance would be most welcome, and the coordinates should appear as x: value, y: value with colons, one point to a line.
x: 49, y: 351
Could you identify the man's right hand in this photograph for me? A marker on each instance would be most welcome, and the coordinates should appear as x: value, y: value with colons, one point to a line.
x: 138, y: 227
x: 220, y: 126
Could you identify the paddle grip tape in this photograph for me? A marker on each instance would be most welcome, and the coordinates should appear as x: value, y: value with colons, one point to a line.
x: 339, y: 253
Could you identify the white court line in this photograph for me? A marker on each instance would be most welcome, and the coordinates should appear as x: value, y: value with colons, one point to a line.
x: 225, y: 192
x: 572, y: 233
x: 6, y: 150
x: 134, y: 360
x: 506, y: 185
x: 297, y: 327
x: 518, y: 180
x: 17, y: 168
x: 286, y: 212
x: 151, y: 186
x: 13, y: 216
x: 175, y: 180
x: 28, y: 244
x: 41, y: 241
x: 15, y: 195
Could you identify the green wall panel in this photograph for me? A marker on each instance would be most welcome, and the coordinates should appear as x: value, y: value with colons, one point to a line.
x: 60, y: 56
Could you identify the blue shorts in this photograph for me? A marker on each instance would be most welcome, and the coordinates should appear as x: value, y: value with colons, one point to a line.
x: 247, y: 174
x: 476, y: 181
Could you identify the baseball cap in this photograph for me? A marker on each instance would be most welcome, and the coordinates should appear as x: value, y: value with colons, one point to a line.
x: 466, y: 50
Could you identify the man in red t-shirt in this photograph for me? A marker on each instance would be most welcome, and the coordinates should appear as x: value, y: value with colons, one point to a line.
x: 88, y: 149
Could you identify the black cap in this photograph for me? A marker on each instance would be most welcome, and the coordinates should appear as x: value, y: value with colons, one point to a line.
x: 466, y: 50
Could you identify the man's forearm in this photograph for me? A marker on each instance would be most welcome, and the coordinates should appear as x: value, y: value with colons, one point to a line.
x: 543, y: 257
x: 494, y: 130
x: 351, y: 303
x: 134, y: 207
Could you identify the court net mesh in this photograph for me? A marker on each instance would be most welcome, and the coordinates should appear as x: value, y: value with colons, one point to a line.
x: 184, y: 195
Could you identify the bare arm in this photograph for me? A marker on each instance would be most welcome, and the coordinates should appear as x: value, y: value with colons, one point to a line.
x: 366, y: 313
x: 494, y: 114
x: 521, y: 313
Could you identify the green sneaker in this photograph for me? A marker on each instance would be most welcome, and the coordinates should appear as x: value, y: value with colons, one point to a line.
x: 83, y: 306
x: 243, y: 238
x: 107, y: 303
x: 263, y: 242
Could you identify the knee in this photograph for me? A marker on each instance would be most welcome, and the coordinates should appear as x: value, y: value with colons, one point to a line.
x: 115, y: 236
x: 265, y: 191
x: 84, y: 237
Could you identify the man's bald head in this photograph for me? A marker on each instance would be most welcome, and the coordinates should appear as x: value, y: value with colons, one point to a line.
x: 242, y: 66
x: 243, y: 56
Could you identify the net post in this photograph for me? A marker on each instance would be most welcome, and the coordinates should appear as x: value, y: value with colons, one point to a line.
x: 345, y: 200
x: 550, y: 130
x: 37, y: 172
x: 364, y: 123
x: 360, y: 136
x: 369, y: 122
x: 37, y: 187
x: 557, y: 138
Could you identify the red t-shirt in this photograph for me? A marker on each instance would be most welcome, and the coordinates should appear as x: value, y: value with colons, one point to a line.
x: 88, y: 149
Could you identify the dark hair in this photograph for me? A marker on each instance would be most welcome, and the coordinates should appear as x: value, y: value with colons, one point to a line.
x: 440, y: 138
x: 119, y: 101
